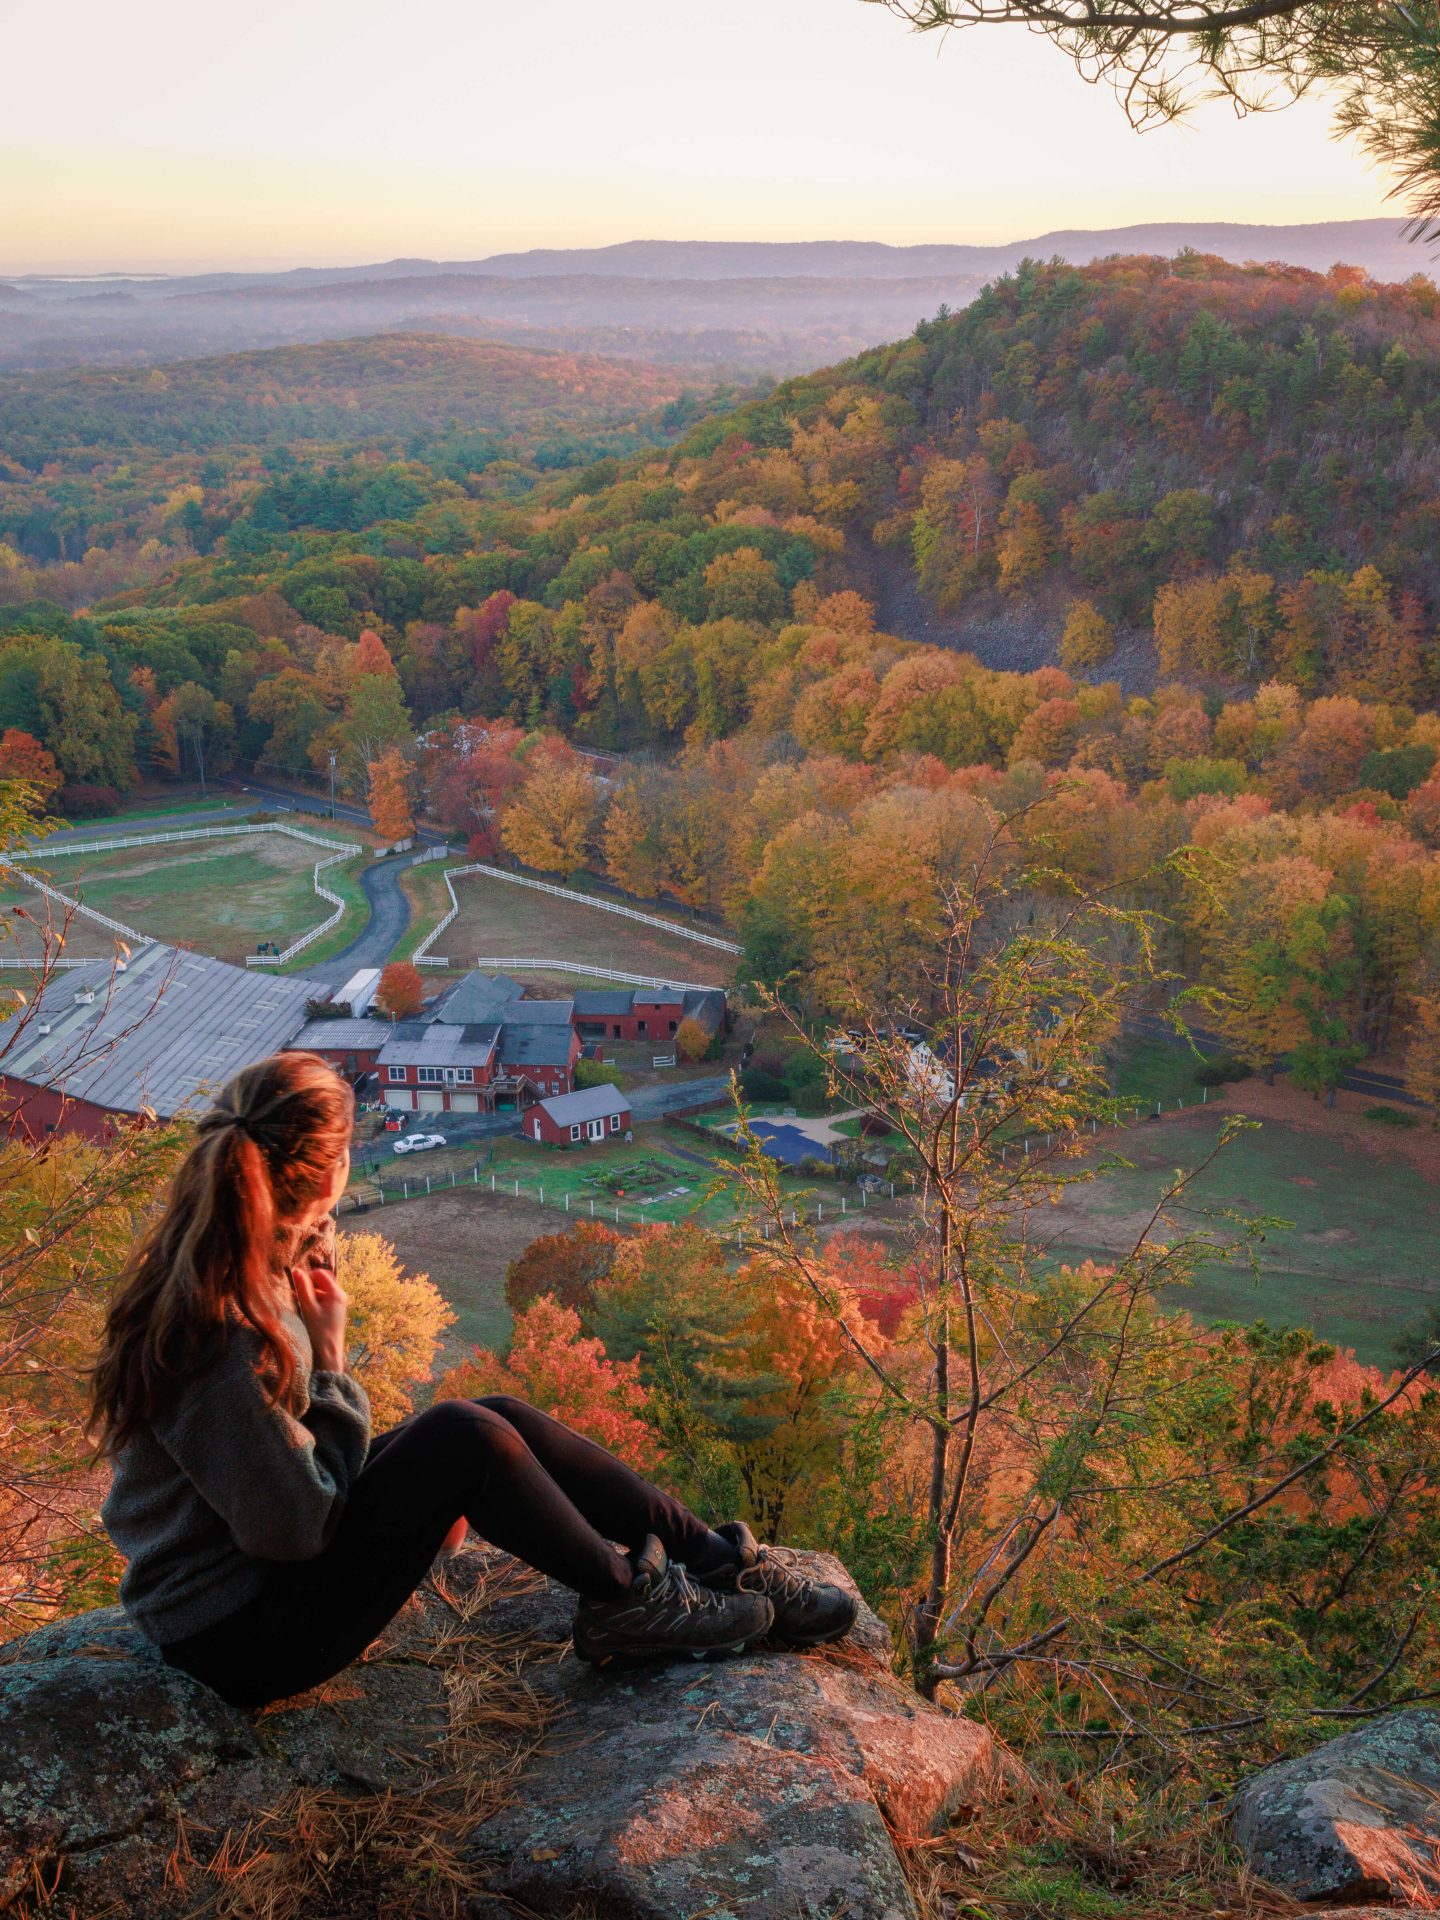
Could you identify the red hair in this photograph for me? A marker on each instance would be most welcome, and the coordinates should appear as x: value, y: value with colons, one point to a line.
x: 264, y: 1154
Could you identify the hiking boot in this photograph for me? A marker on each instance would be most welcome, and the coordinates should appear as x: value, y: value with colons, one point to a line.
x: 666, y: 1616
x: 808, y: 1613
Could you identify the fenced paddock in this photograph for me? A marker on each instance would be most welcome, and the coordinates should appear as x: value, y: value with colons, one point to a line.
x: 221, y: 891
x: 492, y: 910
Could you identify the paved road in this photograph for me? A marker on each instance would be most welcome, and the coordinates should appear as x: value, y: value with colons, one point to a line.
x: 652, y: 1103
x: 1382, y: 1086
x: 276, y: 795
x: 389, y: 917
x: 646, y: 1103
x: 230, y: 816
x: 389, y: 908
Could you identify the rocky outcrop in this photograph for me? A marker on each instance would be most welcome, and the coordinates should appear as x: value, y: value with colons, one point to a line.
x: 765, y: 1786
x: 1357, y: 1819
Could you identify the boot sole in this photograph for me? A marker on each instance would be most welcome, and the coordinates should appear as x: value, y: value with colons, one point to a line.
x: 658, y: 1656
x: 800, y: 1644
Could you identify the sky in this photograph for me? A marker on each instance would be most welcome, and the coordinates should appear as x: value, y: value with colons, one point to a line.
x: 163, y: 136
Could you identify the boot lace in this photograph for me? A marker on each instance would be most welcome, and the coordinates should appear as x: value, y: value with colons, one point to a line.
x: 778, y: 1579
x: 678, y: 1585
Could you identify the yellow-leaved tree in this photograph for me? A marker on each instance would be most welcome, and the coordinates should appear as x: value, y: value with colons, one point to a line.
x: 396, y: 1320
x: 549, y: 824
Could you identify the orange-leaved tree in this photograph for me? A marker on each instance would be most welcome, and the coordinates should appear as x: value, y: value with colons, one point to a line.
x: 401, y: 992
x: 390, y: 811
x: 549, y: 824
x: 23, y: 758
x: 554, y: 1366
x: 567, y: 1266
x: 692, y: 1040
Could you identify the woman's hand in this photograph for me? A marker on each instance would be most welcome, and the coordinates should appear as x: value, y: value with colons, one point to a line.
x: 323, y: 1307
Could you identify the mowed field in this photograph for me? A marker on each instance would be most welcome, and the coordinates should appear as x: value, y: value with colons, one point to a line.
x: 1359, y: 1261
x: 464, y: 1240
x: 220, y: 896
x: 501, y: 920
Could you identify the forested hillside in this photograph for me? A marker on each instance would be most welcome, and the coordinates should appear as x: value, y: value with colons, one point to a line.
x: 115, y: 476
x: 1244, y: 457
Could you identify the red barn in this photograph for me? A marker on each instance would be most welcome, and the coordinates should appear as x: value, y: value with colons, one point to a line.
x: 154, y: 1035
x: 575, y: 1119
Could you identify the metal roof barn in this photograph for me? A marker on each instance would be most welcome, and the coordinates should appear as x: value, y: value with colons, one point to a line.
x: 170, y: 1028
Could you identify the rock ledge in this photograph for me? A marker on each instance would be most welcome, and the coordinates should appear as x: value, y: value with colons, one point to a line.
x: 762, y: 1787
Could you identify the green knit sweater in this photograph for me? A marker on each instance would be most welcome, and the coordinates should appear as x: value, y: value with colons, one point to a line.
x: 223, y: 1482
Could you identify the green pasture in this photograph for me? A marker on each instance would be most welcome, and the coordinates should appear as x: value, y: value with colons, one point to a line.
x: 1357, y: 1263
x: 220, y: 896
x: 129, y: 817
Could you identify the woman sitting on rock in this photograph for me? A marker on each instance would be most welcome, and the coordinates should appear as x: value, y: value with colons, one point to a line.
x: 269, y: 1536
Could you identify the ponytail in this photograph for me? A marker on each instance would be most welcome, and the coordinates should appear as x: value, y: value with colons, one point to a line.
x: 262, y: 1155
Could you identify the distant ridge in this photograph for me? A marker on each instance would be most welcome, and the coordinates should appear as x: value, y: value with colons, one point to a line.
x: 1376, y: 245
x: 724, y: 310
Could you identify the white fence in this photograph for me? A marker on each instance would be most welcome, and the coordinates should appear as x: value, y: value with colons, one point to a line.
x: 72, y: 905
x: 422, y: 956
x: 509, y: 965
x: 344, y: 850
x: 430, y: 853
x: 38, y: 966
x: 58, y: 850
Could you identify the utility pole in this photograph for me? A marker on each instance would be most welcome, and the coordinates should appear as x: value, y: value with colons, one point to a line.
x: 332, y: 783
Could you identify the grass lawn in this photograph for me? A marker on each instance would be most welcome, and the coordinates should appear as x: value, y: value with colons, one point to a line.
x: 1149, y: 1070
x: 220, y: 896
x: 1360, y: 1262
x: 498, y: 918
x: 343, y: 879
x: 424, y: 888
x: 646, y: 1179
x: 132, y: 817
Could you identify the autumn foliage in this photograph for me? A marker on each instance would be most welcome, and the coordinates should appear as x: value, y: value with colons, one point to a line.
x: 401, y: 992
x: 552, y: 1365
x: 390, y: 810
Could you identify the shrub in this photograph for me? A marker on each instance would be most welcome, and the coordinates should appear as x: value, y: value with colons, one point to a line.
x: 874, y: 1126
x: 1220, y: 1070
x: 79, y: 800
x: 756, y: 1084
x: 596, y: 1073
x: 803, y: 1071
x: 1392, y: 1117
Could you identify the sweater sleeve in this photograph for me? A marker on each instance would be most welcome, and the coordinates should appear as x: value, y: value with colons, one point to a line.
x: 277, y: 1477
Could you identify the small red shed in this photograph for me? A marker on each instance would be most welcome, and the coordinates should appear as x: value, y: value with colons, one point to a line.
x: 578, y: 1119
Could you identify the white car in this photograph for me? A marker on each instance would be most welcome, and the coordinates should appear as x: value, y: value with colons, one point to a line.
x: 419, y: 1142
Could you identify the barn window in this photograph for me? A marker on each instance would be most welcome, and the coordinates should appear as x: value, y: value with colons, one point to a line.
x: 396, y: 1073
x: 430, y: 1076
x: 574, y: 1132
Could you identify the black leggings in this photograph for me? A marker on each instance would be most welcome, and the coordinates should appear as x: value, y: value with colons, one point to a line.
x: 522, y: 1480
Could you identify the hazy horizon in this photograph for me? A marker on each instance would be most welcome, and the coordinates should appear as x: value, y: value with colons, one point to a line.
x: 338, y: 136
x: 357, y: 264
